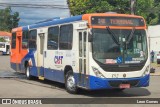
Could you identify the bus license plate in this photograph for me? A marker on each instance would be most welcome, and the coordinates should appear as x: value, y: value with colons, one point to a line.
x: 124, y: 86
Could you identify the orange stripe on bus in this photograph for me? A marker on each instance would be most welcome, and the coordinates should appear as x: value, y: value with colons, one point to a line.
x: 116, y: 27
x: 18, y: 53
x: 17, y: 29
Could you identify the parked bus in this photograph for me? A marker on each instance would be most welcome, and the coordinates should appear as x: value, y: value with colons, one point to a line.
x: 90, y: 51
x: 4, y: 48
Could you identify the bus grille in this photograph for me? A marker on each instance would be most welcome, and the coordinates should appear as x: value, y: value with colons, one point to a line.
x: 115, y: 68
x: 116, y: 84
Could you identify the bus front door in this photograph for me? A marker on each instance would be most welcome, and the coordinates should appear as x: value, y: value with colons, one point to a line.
x: 82, y: 58
x: 7, y: 49
x: 40, y: 58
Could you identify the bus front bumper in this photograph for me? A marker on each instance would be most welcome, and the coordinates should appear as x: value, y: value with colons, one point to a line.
x: 101, y: 83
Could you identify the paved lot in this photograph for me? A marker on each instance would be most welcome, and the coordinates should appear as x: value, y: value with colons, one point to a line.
x: 16, y: 86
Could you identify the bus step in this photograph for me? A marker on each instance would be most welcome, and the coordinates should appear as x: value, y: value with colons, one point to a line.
x: 40, y: 77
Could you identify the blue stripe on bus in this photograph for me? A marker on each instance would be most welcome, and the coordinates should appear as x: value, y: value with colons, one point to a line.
x: 29, y: 56
x: 16, y: 67
x: 94, y: 82
x: 13, y: 66
x: 33, y: 71
x: 55, y: 22
x: 100, y: 83
x: 54, y: 75
x: 25, y: 28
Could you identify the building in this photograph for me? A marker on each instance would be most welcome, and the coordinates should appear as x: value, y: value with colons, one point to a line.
x: 5, y: 35
x: 154, y: 38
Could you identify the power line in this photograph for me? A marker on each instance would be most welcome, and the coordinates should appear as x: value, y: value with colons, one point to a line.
x: 34, y: 5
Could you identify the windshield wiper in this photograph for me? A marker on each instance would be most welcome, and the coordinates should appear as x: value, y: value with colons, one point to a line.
x: 130, y: 35
x: 113, y: 35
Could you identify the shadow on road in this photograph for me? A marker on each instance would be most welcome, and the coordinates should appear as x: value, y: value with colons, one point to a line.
x: 133, y: 92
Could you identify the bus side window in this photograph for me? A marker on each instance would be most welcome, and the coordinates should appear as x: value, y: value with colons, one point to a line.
x: 53, y: 33
x: 25, y: 40
x: 13, y: 41
x: 32, y: 39
x: 66, y: 36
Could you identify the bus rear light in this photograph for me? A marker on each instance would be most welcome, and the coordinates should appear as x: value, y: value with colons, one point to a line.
x: 97, y: 72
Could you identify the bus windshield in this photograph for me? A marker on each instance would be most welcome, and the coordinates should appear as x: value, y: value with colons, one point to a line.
x: 2, y: 45
x: 119, y: 46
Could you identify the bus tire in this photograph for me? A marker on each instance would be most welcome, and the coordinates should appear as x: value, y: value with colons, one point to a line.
x: 28, y: 76
x: 70, y: 83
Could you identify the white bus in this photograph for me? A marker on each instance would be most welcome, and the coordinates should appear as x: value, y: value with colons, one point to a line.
x: 4, y: 48
x: 90, y: 51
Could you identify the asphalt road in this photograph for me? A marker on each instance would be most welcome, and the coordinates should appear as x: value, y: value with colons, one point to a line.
x: 15, y: 85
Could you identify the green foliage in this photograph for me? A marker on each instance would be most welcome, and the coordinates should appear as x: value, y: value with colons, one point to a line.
x: 8, y: 20
x: 2, y: 40
x: 149, y: 9
x: 94, y: 6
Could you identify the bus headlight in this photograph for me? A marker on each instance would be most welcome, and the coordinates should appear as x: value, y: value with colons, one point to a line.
x: 97, y: 72
x: 146, y: 71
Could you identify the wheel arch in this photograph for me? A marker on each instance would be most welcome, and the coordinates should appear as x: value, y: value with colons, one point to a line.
x: 26, y: 63
x: 66, y: 69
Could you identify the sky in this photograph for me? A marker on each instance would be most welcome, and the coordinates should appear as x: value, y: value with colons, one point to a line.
x: 33, y: 15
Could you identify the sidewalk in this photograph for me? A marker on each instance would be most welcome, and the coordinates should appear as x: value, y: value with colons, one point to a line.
x: 157, y: 69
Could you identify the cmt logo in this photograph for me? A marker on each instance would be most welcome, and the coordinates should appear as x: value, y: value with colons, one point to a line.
x: 58, y: 59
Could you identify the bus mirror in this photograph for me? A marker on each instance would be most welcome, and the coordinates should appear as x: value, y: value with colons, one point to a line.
x: 90, y: 38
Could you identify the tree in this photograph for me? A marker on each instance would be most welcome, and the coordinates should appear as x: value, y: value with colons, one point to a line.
x: 91, y: 6
x: 8, y: 20
x: 149, y: 9
x: 2, y: 39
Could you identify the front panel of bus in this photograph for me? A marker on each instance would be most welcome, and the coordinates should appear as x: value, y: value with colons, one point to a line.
x: 119, y: 56
x: 2, y: 47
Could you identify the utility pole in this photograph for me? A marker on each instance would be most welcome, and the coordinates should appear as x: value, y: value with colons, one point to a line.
x: 133, y: 6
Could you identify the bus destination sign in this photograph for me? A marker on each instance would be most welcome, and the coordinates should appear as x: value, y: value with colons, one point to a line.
x: 117, y: 21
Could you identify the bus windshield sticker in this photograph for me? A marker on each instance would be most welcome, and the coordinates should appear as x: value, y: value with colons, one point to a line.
x: 119, y: 60
x: 110, y: 61
x: 127, y: 62
x: 133, y: 60
x: 138, y: 59
x: 142, y: 54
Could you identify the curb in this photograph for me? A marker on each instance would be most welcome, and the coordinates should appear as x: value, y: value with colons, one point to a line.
x: 8, y: 76
x: 155, y: 74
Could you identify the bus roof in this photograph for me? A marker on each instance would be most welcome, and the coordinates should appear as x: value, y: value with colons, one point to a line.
x: 71, y: 19
x: 87, y: 16
x: 16, y: 29
x: 56, y: 21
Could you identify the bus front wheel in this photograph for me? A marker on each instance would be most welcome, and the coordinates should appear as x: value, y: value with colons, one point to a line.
x: 70, y: 83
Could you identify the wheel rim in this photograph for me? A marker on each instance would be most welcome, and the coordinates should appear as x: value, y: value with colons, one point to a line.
x: 27, y: 73
x: 71, y: 83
